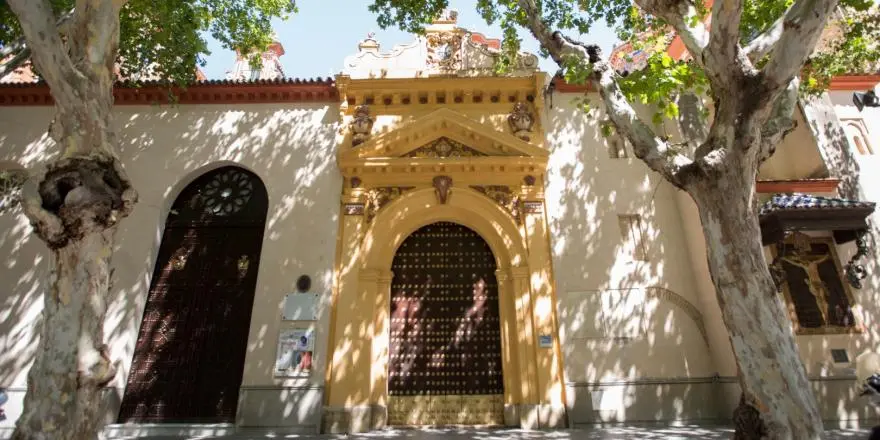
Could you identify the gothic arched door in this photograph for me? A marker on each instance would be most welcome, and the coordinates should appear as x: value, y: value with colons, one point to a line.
x: 190, y: 351
x: 445, y: 348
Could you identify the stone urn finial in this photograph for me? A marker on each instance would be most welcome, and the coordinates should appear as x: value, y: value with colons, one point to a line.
x: 361, y: 125
x: 521, y: 121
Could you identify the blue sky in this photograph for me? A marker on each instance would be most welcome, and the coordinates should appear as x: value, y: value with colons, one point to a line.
x: 318, y: 38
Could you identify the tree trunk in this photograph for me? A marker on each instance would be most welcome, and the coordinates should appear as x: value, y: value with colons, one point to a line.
x: 777, y: 402
x: 72, y: 365
x: 74, y: 207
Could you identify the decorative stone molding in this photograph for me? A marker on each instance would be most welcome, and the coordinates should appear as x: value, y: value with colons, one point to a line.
x: 504, y: 197
x: 202, y: 92
x: 682, y: 303
x: 444, y: 147
x: 377, y: 198
x: 521, y: 121
x: 442, y: 187
x: 361, y: 125
x: 444, y: 51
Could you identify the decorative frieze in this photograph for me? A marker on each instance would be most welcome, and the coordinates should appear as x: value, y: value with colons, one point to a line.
x: 444, y: 147
x: 504, y: 197
x: 444, y: 51
x: 377, y: 198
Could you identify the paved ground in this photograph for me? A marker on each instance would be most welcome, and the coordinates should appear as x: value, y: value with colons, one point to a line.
x: 629, y: 433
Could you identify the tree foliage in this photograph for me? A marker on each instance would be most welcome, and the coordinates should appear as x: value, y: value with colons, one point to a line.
x: 853, y: 48
x: 165, y: 39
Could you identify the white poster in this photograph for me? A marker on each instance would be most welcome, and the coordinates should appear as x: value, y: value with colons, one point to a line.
x: 295, y: 350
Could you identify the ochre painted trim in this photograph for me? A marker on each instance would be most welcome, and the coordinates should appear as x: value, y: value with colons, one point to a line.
x: 212, y: 93
x: 794, y: 186
x: 564, y: 87
x: 854, y: 82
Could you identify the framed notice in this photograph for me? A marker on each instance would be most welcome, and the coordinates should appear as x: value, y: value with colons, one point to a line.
x: 295, y: 351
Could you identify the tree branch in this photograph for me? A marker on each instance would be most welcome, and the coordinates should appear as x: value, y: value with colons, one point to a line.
x: 654, y: 151
x: 15, y: 62
x: 723, y: 58
x: 22, y: 52
x: 48, y: 51
x: 802, y: 26
x: 96, y: 23
x: 780, y: 123
x: 678, y: 14
x: 766, y: 41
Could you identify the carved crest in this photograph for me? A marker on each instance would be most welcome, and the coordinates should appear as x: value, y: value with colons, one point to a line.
x: 444, y: 51
x: 504, y: 197
x: 361, y: 125
x: 377, y: 198
x: 444, y: 147
x: 521, y: 120
x: 442, y: 186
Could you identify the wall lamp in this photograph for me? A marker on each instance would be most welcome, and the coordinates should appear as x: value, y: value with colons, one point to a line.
x: 866, y: 99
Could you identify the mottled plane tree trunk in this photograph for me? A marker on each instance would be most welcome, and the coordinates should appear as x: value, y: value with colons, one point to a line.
x: 74, y: 204
x: 753, y: 110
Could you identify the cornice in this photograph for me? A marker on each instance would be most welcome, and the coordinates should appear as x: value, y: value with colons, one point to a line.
x: 203, y: 92
x: 797, y: 186
x: 854, y: 82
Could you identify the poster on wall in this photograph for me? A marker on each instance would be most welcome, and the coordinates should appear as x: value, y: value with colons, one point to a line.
x: 295, y: 351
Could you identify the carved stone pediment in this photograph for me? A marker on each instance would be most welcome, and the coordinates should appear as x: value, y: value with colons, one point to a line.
x: 444, y: 147
x: 442, y: 134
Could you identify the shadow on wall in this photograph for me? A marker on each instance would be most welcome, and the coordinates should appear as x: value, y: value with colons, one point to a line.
x: 634, y: 334
x: 290, y: 147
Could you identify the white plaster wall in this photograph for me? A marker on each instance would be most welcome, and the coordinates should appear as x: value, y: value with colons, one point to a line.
x: 290, y: 147
x: 610, y: 329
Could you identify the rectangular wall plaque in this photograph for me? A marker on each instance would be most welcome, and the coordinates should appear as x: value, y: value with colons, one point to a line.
x: 300, y: 307
x: 545, y: 341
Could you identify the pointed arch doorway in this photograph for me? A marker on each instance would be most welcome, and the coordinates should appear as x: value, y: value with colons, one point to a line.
x: 445, y: 364
x: 189, y: 356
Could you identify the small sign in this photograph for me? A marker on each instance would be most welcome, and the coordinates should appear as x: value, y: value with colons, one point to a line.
x: 545, y: 341
x: 295, y: 350
x: 300, y: 307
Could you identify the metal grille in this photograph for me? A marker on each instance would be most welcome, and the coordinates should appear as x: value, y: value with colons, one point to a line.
x: 189, y: 356
x: 445, y: 329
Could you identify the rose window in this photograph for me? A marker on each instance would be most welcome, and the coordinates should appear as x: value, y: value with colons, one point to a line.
x: 227, y: 192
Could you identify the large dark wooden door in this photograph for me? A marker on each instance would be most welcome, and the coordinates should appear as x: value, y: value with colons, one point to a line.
x: 445, y: 358
x: 189, y: 356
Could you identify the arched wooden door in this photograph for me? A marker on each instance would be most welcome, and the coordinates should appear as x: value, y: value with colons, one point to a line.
x: 190, y: 351
x: 445, y: 348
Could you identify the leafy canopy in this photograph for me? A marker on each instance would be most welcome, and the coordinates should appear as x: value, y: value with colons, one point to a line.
x: 164, y: 38
x: 852, y: 47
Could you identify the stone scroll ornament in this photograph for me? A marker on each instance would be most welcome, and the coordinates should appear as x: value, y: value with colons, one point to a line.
x: 361, y: 125
x: 521, y: 121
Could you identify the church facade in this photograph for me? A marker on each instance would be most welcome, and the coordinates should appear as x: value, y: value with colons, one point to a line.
x: 419, y: 241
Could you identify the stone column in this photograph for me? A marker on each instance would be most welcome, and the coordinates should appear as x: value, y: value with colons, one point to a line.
x: 548, y: 358
x: 380, y: 350
x: 525, y: 352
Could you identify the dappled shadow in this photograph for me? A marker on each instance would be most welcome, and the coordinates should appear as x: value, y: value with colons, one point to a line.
x: 289, y: 146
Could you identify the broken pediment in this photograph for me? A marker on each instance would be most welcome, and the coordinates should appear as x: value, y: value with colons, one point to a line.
x: 444, y: 50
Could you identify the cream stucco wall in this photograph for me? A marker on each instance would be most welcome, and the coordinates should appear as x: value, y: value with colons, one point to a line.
x: 290, y: 147
x: 626, y: 326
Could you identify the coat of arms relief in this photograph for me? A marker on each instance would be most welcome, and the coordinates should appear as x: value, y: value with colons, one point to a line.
x: 444, y: 51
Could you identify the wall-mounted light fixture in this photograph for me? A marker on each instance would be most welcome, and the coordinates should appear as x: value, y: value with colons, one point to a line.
x: 866, y: 99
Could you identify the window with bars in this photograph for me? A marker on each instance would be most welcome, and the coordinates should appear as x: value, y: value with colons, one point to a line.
x: 818, y: 297
x: 632, y: 236
x: 10, y: 189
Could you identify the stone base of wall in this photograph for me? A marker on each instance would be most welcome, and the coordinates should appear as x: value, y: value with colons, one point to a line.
x: 700, y: 401
x: 285, y: 409
x: 339, y: 420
